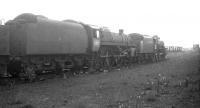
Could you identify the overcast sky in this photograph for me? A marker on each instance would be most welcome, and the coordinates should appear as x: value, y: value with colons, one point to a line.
x: 177, y: 22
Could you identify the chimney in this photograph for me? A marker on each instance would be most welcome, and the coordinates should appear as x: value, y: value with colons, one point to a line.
x: 121, y: 31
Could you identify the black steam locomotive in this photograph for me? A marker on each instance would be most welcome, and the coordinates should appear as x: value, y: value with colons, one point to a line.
x: 32, y: 44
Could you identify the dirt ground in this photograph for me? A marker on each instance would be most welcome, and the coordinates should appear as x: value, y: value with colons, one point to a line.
x: 173, y: 83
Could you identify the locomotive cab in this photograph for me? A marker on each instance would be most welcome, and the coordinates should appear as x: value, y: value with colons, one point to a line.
x: 4, y: 49
x: 96, y: 38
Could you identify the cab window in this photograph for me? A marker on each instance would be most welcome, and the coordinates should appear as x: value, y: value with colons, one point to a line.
x: 97, y: 34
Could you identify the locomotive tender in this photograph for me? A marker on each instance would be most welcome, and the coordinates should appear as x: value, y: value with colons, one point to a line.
x: 33, y: 44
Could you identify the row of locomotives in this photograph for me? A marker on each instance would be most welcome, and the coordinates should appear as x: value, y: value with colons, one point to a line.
x: 116, y: 49
x: 32, y: 45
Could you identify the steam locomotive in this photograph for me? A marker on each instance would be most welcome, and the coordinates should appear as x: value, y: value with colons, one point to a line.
x: 33, y: 44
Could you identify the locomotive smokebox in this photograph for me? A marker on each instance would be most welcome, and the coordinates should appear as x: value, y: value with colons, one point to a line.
x: 121, y: 31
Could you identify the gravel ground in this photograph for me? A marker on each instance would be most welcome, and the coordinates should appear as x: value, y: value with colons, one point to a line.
x: 173, y: 83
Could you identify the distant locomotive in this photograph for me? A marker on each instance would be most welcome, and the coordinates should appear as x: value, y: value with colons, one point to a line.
x: 32, y: 44
x: 148, y: 48
x: 115, y: 48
